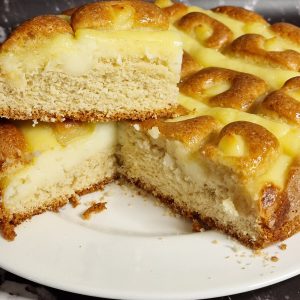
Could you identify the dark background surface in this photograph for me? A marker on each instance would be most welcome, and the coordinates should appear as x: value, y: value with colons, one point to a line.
x: 13, y: 12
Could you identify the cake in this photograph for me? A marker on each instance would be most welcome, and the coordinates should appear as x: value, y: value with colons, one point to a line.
x: 232, y: 162
x: 44, y: 166
x: 227, y: 159
x: 104, y: 61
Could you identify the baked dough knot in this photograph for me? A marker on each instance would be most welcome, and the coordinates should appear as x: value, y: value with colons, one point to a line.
x: 260, y: 148
x: 197, y: 25
x: 283, y: 103
x: 251, y: 47
x: 192, y: 132
x: 120, y: 15
x: 243, y: 89
x: 176, y: 11
x: 35, y: 30
x: 240, y: 14
x: 287, y: 31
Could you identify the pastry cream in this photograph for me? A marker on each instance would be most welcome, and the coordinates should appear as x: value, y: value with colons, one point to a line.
x: 76, y: 55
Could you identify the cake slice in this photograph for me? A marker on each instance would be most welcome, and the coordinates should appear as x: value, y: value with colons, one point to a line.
x: 44, y: 166
x: 234, y: 177
x: 104, y: 61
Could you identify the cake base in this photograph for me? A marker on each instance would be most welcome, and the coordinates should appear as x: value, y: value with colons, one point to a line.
x: 8, y: 226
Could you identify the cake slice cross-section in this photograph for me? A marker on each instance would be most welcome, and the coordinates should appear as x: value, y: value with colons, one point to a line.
x: 43, y: 167
x: 103, y: 61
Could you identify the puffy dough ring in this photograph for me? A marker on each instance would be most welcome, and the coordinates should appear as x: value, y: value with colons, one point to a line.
x: 287, y: 31
x: 262, y: 148
x: 120, y: 15
x: 243, y: 92
x: 35, y: 30
x: 251, y: 47
x: 176, y: 11
x: 240, y: 14
x: 282, y: 105
x: 221, y: 34
x: 193, y: 133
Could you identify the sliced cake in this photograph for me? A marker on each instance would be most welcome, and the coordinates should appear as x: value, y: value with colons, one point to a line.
x: 234, y: 177
x: 44, y: 166
x: 104, y: 61
x: 230, y: 160
x: 232, y: 163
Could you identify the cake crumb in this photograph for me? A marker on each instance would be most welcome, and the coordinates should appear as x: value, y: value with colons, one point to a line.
x: 137, y: 127
x: 95, y: 208
x: 274, y: 258
x: 8, y: 231
x: 282, y: 247
x: 34, y: 123
x: 214, y: 242
x: 74, y: 201
x: 257, y: 252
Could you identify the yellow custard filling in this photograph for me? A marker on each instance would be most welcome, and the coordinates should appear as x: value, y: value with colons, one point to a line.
x: 76, y: 55
x: 49, y: 156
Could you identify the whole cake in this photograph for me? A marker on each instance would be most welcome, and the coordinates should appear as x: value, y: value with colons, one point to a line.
x: 229, y: 159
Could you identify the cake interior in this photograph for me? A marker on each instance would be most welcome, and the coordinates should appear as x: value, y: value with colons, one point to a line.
x: 61, y: 164
x: 133, y: 82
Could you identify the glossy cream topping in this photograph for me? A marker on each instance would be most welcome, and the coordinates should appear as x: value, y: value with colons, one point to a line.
x: 233, y: 145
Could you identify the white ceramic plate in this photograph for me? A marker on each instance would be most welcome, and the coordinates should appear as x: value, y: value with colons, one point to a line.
x: 136, y: 250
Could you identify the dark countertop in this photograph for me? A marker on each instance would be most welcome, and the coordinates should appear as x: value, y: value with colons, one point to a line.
x: 13, y: 12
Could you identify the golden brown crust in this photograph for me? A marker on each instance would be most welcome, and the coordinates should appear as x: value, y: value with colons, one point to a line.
x: 240, y: 14
x: 189, y: 66
x: 291, y: 192
x: 35, y: 30
x: 280, y: 215
x: 281, y: 104
x: 287, y: 31
x: 175, y: 11
x: 87, y: 116
x: 119, y: 15
x: 12, y: 145
x: 102, y: 15
x: 262, y: 149
x: 9, y: 222
x: 272, y: 206
x: 244, y: 89
x: 181, y: 111
x: 191, y: 132
x: 220, y: 37
x: 251, y: 47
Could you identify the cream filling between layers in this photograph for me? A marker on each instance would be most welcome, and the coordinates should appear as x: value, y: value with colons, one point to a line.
x: 76, y: 55
x: 52, y: 166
